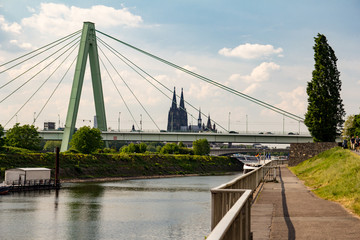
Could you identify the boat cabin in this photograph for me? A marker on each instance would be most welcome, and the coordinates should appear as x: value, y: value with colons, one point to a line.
x: 20, y: 176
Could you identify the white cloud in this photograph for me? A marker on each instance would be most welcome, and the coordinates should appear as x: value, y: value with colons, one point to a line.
x: 59, y: 19
x: 251, y: 51
x: 7, y: 27
x: 259, y: 74
x: 26, y: 46
x: 294, y: 101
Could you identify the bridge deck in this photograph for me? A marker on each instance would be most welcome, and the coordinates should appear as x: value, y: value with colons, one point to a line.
x: 289, y: 210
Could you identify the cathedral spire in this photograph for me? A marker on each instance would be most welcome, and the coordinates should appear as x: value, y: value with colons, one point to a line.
x: 182, y: 105
x: 174, y: 105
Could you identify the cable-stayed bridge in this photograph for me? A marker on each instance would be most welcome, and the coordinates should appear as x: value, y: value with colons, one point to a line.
x: 101, y: 55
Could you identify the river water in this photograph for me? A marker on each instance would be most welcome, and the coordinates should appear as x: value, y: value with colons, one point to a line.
x: 164, y: 208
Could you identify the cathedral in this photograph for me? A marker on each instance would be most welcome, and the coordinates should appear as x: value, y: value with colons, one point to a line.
x: 178, y: 120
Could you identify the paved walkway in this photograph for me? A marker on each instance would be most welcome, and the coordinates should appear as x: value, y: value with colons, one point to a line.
x: 288, y: 210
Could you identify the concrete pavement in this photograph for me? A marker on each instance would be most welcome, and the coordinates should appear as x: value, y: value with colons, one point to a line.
x: 289, y: 210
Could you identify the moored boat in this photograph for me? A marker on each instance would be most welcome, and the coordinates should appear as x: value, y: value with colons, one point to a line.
x: 250, y: 162
x: 4, y: 190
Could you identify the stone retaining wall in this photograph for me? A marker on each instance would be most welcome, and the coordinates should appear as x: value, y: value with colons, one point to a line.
x: 300, y: 152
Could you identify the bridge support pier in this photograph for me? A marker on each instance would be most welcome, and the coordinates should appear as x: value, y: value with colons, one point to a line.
x: 88, y: 47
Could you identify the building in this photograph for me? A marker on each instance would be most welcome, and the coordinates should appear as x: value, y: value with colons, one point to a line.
x: 177, y: 117
x: 49, y: 126
x: 20, y: 176
x: 178, y: 121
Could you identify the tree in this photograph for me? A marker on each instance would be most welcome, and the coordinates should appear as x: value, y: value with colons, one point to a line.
x: 201, y: 147
x: 2, y: 140
x: 352, y: 126
x: 325, y: 113
x: 170, y: 148
x: 25, y: 136
x: 134, y: 148
x: 87, y: 140
x: 51, y: 145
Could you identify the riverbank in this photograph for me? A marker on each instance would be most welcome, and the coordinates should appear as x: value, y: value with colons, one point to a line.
x: 333, y: 175
x: 111, y: 179
x: 104, y: 167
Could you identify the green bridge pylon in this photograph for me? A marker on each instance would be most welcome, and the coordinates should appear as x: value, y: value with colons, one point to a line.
x: 88, y: 47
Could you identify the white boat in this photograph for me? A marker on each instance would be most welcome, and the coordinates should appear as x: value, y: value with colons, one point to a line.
x: 250, y: 162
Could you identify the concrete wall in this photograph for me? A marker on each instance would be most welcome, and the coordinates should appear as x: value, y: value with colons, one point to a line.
x: 300, y: 152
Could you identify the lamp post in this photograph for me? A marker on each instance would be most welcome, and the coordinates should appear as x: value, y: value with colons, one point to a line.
x: 34, y: 118
x: 119, y: 122
x: 229, y: 122
x: 140, y: 122
x: 246, y: 123
x: 283, y: 124
x: 59, y: 120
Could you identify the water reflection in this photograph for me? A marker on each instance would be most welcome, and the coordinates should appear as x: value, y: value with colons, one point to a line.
x: 84, y: 211
x: 171, y: 208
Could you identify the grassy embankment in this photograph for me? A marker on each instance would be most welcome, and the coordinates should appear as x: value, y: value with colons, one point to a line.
x: 333, y: 175
x: 82, y: 166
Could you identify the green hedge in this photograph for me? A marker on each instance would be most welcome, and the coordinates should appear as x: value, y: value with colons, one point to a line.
x: 121, y: 165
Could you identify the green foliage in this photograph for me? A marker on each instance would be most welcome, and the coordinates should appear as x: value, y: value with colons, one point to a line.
x: 352, y: 126
x: 201, y: 147
x: 325, y: 112
x: 87, y: 140
x: 334, y: 175
x: 2, y: 140
x: 134, y: 148
x: 51, y: 145
x: 25, y: 136
x: 170, y: 148
x: 173, y: 148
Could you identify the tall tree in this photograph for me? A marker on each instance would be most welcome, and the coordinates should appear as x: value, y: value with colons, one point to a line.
x: 201, y: 147
x: 25, y: 136
x: 87, y: 140
x: 325, y: 112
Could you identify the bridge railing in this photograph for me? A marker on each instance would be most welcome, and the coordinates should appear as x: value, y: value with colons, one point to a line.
x: 231, y: 203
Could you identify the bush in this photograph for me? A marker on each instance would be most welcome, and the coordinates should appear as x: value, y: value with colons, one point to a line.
x: 87, y: 140
x: 201, y: 147
x: 25, y: 136
x: 51, y: 145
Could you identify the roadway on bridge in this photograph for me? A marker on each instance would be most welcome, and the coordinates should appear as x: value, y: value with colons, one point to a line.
x: 289, y: 210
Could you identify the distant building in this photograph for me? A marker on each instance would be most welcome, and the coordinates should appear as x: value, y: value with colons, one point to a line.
x: 178, y: 121
x: 177, y: 117
x: 49, y: 125
x: 198, y: 127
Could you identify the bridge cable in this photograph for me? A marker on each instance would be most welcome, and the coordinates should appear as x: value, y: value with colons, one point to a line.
x: 233, y: 91
x: 122, y: 56
x: 46, y: 58
x: 48, y: 45
x: 39, y: 71
x: 43, y: 85
x: 132, y: 92
x: 57, y: 86
x: 119, y: 92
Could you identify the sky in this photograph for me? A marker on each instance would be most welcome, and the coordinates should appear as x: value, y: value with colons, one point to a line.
x: 261, y: 48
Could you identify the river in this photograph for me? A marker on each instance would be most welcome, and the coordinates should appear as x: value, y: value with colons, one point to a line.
x: 163, y: 208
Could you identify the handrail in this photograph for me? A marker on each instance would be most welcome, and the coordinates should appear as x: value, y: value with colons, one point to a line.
x: 231, y: 203
x: 235, y: 214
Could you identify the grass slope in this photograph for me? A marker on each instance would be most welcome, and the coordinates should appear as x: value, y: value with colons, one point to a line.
x: 333, y: 175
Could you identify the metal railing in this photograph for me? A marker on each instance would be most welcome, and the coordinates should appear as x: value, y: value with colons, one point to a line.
x: 231, y: 203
